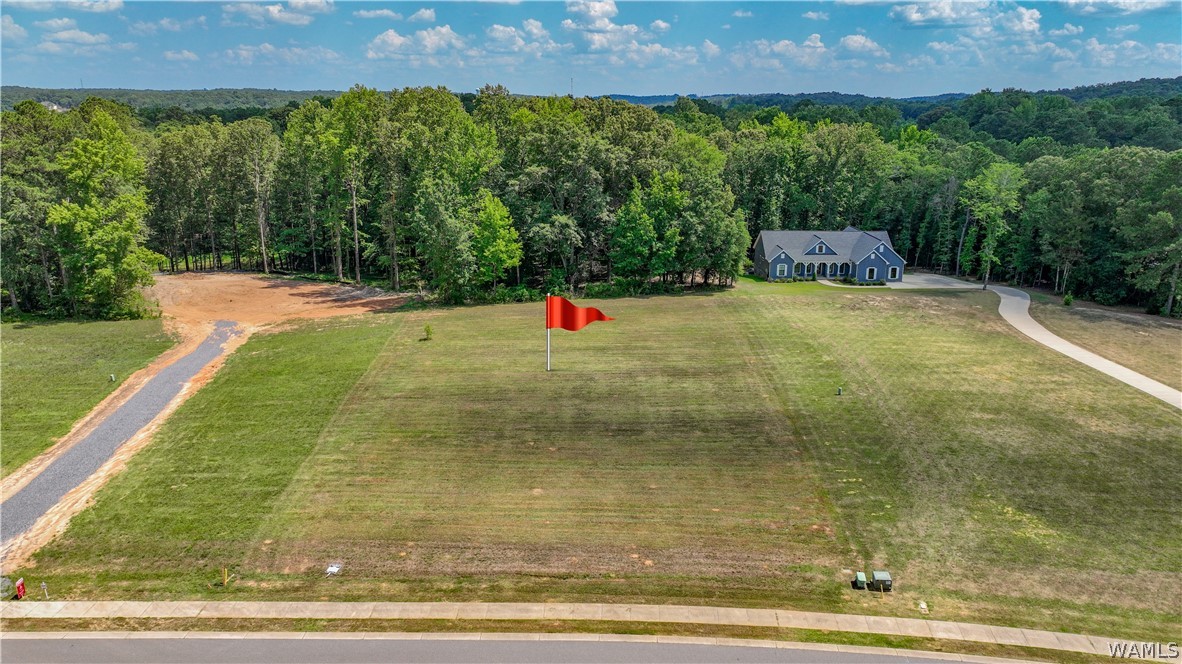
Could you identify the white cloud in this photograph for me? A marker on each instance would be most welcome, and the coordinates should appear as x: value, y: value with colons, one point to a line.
x: 79, y: 43
x: 425, y: 15
x: 1021, y: 21
x: 710, y: 49
x: 1066, y: 31
x: 619, y: 44
x: 10, y: 31
x: 167, y: 24
x: 1122, y: 31
x: 597, y: 28
x: 391, y: 44
x: 742, y: 13
x: 439, y: 38
x: 962, y: 51
x: 888, y: 67
x: 765, y: 54
x: 1130, y: 52
x: 77, y: 37
x: 292, y: 55
x: 77, y: 5
x: 1122, y: 7
x: 181, y: 56
x: 57, y: 24
x: 310, y: 6
x: 378, y: 13
x: 816, y: 16
x: 530, y: 39
x: 535, y: 29
x: 941, y: 13
x: 259, y: 14
x: 96, y: 5
x: 726, y: 26
x: 863, y: 44
x: 1043, y: 51
x: 387, y: 44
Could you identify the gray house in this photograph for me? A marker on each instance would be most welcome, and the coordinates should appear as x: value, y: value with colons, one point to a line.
x: 859, y: 255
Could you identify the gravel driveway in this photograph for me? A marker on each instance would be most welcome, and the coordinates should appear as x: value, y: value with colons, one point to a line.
x: 21, y: 511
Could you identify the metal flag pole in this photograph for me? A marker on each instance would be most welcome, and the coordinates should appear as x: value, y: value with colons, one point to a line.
x: 547, y: 331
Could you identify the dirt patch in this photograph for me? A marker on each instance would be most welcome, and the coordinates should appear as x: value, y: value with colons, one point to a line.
x: 254, y: 301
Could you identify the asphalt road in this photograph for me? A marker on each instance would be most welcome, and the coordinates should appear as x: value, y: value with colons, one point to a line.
x: 82, y: 460
x: 357, y: 651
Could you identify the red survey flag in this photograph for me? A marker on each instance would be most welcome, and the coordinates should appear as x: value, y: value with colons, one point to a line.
x: 561, y: 312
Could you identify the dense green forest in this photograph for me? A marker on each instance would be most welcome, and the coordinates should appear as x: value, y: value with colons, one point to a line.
x: 495, y: 197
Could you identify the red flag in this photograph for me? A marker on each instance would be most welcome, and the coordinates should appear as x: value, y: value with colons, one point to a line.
x: 560, y: 312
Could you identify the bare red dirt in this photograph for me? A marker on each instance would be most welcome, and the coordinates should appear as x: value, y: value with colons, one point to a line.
x: 254, y: 301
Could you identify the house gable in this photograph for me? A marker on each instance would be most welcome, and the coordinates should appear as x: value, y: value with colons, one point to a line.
x: 819, y: 248
x: 828, y: 253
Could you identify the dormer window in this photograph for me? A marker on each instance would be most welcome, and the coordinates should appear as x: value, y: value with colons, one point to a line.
x: 880, y: 248
x: 820, y: 248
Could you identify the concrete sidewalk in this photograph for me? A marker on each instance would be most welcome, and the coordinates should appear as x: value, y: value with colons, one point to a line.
x: 703, y: 615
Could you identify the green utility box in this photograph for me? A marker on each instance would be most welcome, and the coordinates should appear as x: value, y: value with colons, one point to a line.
x: 860, y: 581
x: 880, y: 580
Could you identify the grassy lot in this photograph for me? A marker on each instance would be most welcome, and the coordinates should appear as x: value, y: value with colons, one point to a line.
x: 692, y: 451
x: 1150, y: 345
x: 51, y: 374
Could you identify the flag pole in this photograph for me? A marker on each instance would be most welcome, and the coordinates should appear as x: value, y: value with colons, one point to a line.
x: 547, y: 331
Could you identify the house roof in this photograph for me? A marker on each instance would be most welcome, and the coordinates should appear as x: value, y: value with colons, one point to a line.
x: 850, y: 244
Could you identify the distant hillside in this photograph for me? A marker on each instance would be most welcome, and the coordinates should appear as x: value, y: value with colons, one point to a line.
x: 778, y: 99
x: 189, y: 100
x: 1158, y: 88
x: 226, y: 98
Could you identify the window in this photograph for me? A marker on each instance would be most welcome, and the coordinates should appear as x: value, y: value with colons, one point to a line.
x: 820, y: 248
x: 894, y: 273
x: 871, y: 273
x: 845, y: 269
x: 800, y: 269
x: 809, y: 269
x: 781, y: 270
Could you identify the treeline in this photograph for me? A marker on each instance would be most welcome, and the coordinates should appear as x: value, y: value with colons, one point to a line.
x: 188, y: 100
x: 518, y: 196
x: 1003, y: 121
x: 1096, y: 222
x: 492, y: 197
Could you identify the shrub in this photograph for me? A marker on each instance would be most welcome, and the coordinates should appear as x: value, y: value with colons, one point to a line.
x: 1068, y: 299
x: 505, y: 294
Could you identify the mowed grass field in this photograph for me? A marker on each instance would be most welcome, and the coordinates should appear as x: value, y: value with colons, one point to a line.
x: 694, y: 450
x: 1150, y: 345
x: 51, y: 374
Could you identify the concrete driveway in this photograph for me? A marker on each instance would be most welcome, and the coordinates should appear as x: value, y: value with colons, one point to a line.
x: 928, y: 280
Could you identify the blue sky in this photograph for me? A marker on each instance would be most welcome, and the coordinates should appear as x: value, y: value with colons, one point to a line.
x: 894, y: 49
